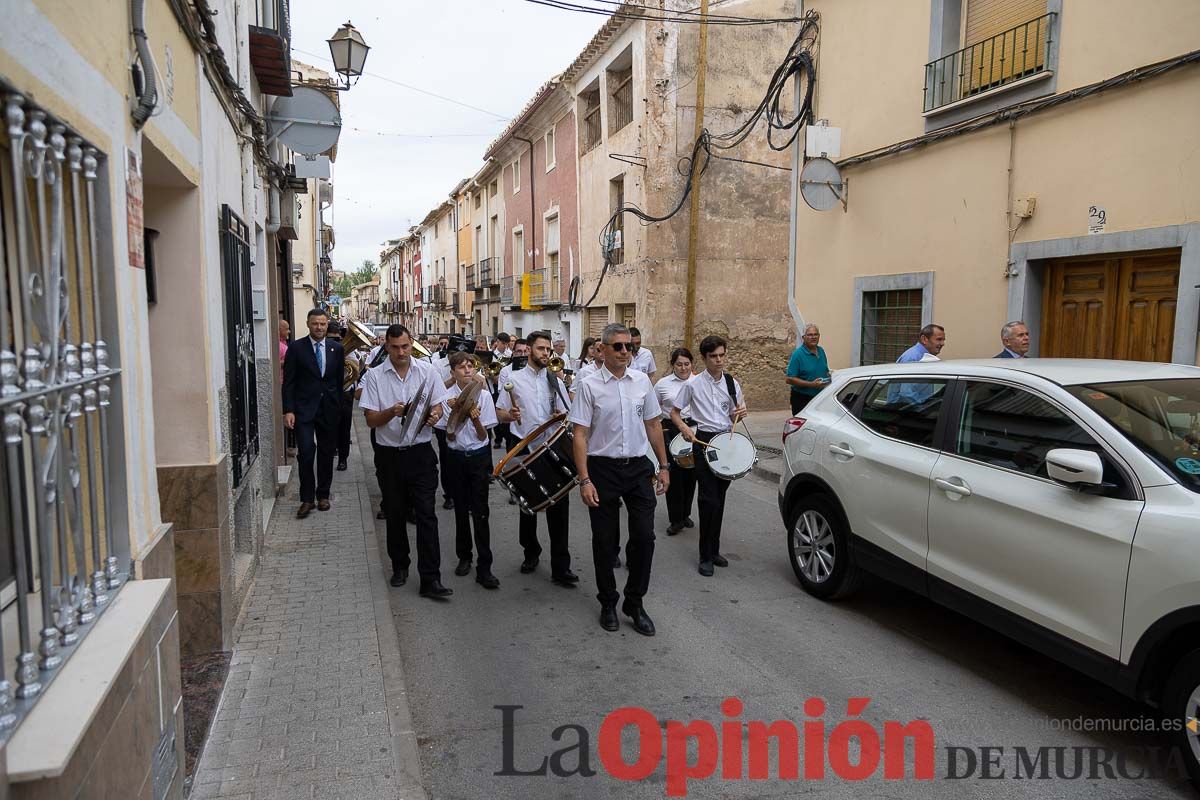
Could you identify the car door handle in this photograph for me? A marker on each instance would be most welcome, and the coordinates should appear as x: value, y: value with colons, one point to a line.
x: 841, y: 450
x: 959, y: 488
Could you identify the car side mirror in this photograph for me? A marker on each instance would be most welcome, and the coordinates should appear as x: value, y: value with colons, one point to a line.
x: 1079, y: 469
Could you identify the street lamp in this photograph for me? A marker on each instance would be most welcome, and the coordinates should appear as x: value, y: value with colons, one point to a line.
x: 349, y: 52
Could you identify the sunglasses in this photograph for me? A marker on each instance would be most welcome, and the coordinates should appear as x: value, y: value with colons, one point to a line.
x: 620, y: 346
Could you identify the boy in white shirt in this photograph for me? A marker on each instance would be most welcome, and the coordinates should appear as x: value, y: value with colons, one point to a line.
x: 468, y: 458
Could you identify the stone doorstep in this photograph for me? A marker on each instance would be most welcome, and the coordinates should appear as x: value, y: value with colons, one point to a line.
x: 283, y: 475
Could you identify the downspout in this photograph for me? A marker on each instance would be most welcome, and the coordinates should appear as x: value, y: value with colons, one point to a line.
x: 793, y: 242
x: 148, y: 97
x: 273, y: 207
x: 532, y: 215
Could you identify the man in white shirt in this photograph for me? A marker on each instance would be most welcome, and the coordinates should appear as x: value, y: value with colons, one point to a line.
x: 520, y: 356
x: 468, y: 463
x: 503, y: 345
x: 716, y: 402
x: 401, y: 399
x: 643, y: 359
x: 535, y: 404
x: 616, y: 416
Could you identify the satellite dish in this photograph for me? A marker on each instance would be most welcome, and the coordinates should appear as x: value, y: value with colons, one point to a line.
x: 307, y: 122
x: 822, y: 185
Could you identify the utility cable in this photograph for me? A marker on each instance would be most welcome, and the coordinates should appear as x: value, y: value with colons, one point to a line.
x: 622, y: 13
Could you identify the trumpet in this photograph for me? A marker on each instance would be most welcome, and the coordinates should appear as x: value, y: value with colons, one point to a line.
x: 556, y: 364
x: 494, y: 368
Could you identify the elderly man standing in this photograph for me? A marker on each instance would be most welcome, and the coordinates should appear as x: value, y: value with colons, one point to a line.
x: 1015, y: 336
x: 808, y: 368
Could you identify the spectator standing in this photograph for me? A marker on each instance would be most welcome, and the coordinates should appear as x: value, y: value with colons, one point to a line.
x: 1015, y: 336
x: 808, y: 368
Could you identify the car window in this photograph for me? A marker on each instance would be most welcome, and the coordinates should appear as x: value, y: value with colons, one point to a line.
x: 849, y: 394
x: 904, y: 408
x: 1009, y: 427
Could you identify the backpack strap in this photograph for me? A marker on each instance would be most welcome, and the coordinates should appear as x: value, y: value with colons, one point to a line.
x: 732, y: 391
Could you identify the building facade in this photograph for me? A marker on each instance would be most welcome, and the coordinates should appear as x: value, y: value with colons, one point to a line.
x: 1028, y: 160
x: 487, y: 242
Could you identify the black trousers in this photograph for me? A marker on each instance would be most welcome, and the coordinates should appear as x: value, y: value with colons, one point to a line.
x: 557, y: 523
x: 443, y: 449
x: 617, y: 480
x: 799, y: 401
x: 345, y: 423
x: 712, y: 501
x: 470, y: 474
x: 408, y: 478
x: 315, y: 440
x: 682, y: 490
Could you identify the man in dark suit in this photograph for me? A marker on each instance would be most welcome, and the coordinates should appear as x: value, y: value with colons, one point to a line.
x: 312, y: 385
x: 1015, y: 336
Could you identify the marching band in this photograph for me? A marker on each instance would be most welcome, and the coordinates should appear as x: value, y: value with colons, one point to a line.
x: 603, y: 427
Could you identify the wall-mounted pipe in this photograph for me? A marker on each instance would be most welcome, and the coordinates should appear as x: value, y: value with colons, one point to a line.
x: 148, y: 97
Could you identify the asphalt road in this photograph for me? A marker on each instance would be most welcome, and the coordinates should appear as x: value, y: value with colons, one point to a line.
x: 751, y: 633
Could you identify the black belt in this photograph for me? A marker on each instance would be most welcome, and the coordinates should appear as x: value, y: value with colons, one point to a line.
x: 401, y: 449
x: 620, y: 462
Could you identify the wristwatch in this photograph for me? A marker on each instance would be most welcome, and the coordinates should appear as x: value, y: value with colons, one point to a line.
x: 662, y: 467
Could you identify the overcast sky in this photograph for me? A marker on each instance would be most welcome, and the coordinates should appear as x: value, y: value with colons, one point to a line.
x: 401, y: 151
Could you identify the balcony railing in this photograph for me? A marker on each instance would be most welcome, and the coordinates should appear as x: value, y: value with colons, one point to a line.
x: 271, y: 47
x: 1005, y: 58
x: 539, y: 288
x: 470, y: 277
x: 507, y: 297
x: 489, y: 271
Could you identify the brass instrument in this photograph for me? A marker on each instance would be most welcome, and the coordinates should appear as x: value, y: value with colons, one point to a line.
x: 419, y: 349
x: 556, y: 364
x: 494, y: 369
x: 356, y: 337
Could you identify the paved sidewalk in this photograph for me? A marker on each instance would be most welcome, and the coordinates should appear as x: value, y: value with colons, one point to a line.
x: 314, y: 704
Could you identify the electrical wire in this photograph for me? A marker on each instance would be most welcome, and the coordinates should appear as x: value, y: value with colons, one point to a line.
x: 687, y: 12
x: 797, y: 65
x: 621, y: 13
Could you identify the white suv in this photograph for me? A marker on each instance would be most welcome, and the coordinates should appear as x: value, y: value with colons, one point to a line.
x: 1057, y: 501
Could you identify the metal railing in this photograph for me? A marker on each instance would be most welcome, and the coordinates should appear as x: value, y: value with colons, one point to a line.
x: 489, y: 271
x: 506, y: 291
x: 57, y: 547
x: 591, y: 131
x: 469, y: 275
x: 1001, y: 59
x: 621, y: 104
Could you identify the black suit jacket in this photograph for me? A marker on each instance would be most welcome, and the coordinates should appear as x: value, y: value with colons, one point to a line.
x: 1004, y: 354
x: 306, y: 393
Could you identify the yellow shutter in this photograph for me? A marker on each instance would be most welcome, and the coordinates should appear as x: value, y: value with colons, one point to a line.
x: 1020, y: 50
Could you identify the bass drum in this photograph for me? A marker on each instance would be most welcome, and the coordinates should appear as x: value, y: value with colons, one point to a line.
x: 545, y: 475
x: 681, y: 452
x: 730, y: 455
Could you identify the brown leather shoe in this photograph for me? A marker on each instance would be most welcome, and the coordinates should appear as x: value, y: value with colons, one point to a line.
x: 304, y: 510
x: 323, y: 505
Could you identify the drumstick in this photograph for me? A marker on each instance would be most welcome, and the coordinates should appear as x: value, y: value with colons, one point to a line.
x: 705, y: 444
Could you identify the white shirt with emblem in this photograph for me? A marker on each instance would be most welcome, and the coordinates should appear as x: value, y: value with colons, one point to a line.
x: 709, y: 400
x: 644, y: 361
x: 467, y: 438
x: 534, y: 400
x: 383, y: 388
x: 616, y: 410
x: 668, y: 389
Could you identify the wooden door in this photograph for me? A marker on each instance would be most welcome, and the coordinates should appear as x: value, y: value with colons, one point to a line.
x: 1120, y: 307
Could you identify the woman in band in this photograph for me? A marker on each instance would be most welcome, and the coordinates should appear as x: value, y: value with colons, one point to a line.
x: 683, y: 481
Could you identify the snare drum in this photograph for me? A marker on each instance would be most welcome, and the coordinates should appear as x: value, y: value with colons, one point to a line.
x: 730, y: 455
x: 545, y: 475
x: 681, y: 451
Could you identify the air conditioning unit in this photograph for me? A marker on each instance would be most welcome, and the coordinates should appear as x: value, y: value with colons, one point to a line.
x: 288, y: 215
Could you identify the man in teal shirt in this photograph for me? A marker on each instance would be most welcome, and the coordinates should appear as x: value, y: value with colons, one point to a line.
x: 808, y: 368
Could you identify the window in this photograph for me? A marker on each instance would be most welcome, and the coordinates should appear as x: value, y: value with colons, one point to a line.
x: 239, y: 343
x: 493, y: 189
x: 550, y: 155
x: 616, y: 200
x: 516, y: 171
x: 904, y: 408
x: 518, y: 252
x: 1009, y: 427
x: 627, y: 314
x: 552, y: 247
x: 619, y: 81
x: 849, y: 394
x: 589, y: 131
x: 478, y: 199
x: 891, y: 321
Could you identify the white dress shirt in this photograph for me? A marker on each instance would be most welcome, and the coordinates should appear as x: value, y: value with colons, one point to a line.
x: 667, y: 390
x: 383, y: 388
x: 709, y: 401
x: 535, y: 402
x: 442, y: 363
x: 467, y: 438
x: 643, y: 361
x: 616, y: 410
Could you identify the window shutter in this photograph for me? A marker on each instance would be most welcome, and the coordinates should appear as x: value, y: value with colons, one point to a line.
x: 597, y: 318
x: 1000, y: 60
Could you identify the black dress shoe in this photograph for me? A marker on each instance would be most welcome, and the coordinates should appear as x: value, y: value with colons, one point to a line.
x: 487, y: 580
x: 687, y: 523
x: 341, y: 467
x: 566, y: 578
x: 435, y: 589
x: 720, y: 561
x: 448, y: 503
x: 399, y: 578
x: 616, y: 561
x: 464, y: 566
x: 706, y: 568
x: 380, y: 515
x: 641, y: 621
x: 528, y: 565
x: 608, y: 617
x: 674, y: 528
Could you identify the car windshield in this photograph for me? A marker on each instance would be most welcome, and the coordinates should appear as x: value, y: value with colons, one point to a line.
x: 1161, y: 417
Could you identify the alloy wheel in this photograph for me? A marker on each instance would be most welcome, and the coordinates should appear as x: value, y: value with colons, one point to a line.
x: 812, y: 538
x: 1191, y: 717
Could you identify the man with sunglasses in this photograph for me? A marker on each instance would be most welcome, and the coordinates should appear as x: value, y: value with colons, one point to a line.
x: 616, y: 415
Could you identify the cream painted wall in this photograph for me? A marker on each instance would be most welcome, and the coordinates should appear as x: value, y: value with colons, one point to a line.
x: 1135, y: 151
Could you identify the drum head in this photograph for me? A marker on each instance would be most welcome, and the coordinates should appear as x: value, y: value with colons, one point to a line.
x: 730, y: 455
x: 680, y: 446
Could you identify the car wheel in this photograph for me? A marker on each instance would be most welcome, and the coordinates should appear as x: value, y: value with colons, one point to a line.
x: 1181, y: 702
x: 819, y: 549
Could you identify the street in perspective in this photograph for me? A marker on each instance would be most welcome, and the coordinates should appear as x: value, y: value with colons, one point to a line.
x: 599, y: 399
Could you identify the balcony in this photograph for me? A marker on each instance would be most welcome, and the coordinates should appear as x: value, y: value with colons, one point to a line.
x: 539, y: 289
x: 469, y: 274
x: 438, y: 295
x: 489, y: 272
x: 507, y: 298
x: 1015, y: 55
x: 271, y: 47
